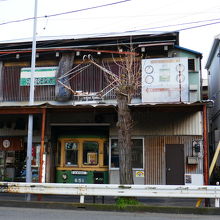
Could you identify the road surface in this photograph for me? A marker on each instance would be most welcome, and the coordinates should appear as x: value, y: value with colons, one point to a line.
x: 56, y: 214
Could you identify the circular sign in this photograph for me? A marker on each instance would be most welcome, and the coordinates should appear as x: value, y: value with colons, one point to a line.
x: 149, y: 79
x: 6, y: 143
x: 149, y: 69
x: 180, y: 67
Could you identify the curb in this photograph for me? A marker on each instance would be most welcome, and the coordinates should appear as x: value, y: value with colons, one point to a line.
x: 110, y: 207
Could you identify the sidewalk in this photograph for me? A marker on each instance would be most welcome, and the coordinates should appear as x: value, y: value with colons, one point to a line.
x: 102, y: 200
x: 159, y: 205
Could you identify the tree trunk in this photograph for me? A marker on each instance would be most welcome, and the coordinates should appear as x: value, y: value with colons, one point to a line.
x: 124, y: 125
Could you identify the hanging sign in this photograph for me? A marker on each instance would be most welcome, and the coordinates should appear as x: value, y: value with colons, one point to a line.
x: 42, y: 76
x: 165, y: 80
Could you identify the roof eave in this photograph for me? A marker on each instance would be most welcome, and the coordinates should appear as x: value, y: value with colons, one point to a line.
x: 212, y: 52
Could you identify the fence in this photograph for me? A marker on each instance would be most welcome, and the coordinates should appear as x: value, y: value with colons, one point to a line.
x: 82, y: 190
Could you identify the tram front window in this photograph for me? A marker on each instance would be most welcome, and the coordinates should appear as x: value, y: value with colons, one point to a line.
x: 71, y: 149
x: 90, y: 153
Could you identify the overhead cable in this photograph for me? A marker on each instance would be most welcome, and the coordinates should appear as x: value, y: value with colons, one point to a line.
x: 65, y: 13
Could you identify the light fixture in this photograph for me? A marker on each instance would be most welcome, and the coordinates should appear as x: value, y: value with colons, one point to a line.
x: 120, y: 50
x: 37, y: 55
x: 165, y: 47
x: 99, y: 53
x: 57, y: 54
x: 142, y: 49
x: 77, y: 53
x: 17, y: 56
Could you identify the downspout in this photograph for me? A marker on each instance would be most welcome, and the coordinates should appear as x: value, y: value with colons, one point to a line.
x: 205, y: 147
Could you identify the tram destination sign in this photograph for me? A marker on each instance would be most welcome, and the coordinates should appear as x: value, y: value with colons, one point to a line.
x: 42, y: 76
x: 79, y: 172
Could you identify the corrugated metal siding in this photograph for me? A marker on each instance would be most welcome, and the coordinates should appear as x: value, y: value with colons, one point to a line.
x: 91, y: 79
x: 189, y: 124
x: 155, y: 156
x: 12, y: 91
x: 168, y: 123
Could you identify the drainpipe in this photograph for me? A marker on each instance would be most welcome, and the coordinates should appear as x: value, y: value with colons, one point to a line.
x: 205, y: 145
x: 205, y: 149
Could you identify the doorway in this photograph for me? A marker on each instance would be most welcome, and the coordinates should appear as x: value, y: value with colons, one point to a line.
x: 174, y: 164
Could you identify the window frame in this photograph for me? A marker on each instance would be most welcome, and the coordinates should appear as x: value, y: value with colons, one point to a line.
x: 97, y: 156
x: 110, y: 156
x: 80, y: 166
x: 71, y: 165
x: 194, y: 63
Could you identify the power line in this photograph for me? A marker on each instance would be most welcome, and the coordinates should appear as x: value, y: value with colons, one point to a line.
x: 217, y: 21
x: 65, y: 13
x: 198, y: 26
x: 180, y: 24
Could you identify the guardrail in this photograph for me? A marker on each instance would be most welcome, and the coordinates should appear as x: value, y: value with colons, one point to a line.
x: 82, y: 190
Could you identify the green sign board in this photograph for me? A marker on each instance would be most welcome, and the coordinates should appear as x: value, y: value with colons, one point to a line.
x: 42, y: 76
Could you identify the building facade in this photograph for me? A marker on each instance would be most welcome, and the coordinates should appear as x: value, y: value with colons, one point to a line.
x: 75, y: 111
x: 213, y: 68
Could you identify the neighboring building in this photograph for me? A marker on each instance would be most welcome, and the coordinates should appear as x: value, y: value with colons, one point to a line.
x: 213, y: 68
x: 77, y: 131
x: 205, y: 95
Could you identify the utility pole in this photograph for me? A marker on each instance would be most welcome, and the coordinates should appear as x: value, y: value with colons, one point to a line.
x: 31, y: 102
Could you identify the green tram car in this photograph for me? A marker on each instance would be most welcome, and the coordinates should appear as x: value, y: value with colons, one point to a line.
x: 82, y: 160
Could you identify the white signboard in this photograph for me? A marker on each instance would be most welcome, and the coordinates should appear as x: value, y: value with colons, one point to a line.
x: 165, y: 80
x: 42, y: 76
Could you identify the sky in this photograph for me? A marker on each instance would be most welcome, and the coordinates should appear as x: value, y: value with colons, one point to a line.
x: 197, y: 21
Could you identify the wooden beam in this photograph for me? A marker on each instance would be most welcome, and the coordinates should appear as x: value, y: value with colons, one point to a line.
x: 11, y: 111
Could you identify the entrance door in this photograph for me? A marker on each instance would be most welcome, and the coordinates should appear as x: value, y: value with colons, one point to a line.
x: 174, y: 164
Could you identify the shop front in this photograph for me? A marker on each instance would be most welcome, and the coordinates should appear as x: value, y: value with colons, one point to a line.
x: 11, y: 157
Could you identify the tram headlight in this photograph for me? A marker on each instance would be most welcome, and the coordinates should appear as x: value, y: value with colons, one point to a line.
x: 64, y: 176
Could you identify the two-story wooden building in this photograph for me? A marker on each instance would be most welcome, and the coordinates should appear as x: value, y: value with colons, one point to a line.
x: 75, y: 111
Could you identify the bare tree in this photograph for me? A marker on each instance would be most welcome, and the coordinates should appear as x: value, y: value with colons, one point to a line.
x: 126, y: 83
